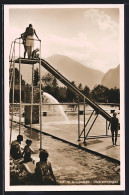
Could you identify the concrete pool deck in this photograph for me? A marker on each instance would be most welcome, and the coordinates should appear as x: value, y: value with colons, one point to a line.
x: 101, y: 145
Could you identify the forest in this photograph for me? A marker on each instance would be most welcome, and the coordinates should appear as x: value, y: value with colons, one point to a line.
x: 49, y: 84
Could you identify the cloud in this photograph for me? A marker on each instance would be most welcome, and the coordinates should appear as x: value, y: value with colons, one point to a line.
x: 99, y: 54
x: 75, y: 46
x: 101, y: 20
x: 78, y: 41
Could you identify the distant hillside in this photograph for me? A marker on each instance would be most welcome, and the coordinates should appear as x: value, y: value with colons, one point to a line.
x: 75, y: 71
x: 69, y: 68
x: 112, y: 78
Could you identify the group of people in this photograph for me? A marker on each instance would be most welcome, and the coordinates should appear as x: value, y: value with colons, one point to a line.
x: 43, y: 170
x: 16, y: 151
x: 28, y: 42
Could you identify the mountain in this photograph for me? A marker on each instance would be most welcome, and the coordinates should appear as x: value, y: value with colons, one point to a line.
x: 75, y: 71
x: 69, y: 68
x: 112, y: 78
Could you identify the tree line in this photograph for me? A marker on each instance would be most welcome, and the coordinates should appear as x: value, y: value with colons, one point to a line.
x: 49, y: 84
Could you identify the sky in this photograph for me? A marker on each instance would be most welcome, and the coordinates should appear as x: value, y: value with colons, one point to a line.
x: 87, y: 35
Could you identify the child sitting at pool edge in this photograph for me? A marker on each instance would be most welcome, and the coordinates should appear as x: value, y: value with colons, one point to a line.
x: 43, y: 171
x: 28, y: 151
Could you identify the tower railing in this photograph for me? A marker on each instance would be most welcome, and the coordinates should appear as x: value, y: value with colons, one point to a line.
x: 12, y: 58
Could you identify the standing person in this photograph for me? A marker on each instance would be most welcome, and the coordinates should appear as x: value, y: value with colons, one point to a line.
x: 43, y: 170
x: 15, y: 150
x: 30, y: 32
x: 114, y: 128
x: 23, y: 36
x: 27, y: 151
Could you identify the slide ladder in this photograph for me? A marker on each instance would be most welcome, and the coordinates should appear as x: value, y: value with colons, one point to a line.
x: 11, y: 72
x: 11, y: 66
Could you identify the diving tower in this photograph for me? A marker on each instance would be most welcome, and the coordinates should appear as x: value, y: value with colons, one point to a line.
x: 96, y: 108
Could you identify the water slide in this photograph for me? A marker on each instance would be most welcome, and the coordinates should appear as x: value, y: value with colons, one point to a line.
x: 67, y: 83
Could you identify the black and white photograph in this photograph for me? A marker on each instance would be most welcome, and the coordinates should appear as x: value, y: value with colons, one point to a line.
x: 64, y: 97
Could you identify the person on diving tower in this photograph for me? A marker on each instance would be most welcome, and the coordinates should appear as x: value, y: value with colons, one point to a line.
x: 28, y: 40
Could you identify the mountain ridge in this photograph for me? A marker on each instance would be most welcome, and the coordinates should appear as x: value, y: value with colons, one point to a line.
x: 71, y: 68
x: 77, y: 72
x: 112, y: 78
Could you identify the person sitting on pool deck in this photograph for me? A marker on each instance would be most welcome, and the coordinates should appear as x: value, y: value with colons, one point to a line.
x: 43, y: 170
x: 27, y: 151
x: 114, y: 128
x: 15, y: 150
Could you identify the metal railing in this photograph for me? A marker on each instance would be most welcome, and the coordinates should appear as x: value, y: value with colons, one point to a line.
x: 12, y: 57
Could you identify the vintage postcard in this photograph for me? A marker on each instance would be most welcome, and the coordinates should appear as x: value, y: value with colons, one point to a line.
x: 64, y: 97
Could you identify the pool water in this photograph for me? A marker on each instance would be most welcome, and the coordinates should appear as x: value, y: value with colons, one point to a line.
x: 72, y: 166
